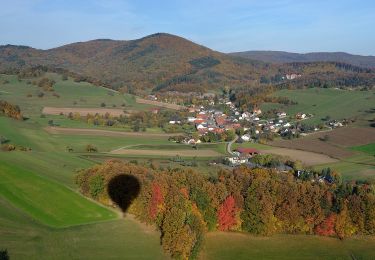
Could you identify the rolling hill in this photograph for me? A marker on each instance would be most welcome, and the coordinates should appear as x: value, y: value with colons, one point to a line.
x: 289, y: 57
x: 165, y: 62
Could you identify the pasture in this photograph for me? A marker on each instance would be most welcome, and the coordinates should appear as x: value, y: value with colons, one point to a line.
x: 335, y: 103
x: 163, y: 153
x: 70, y: 94
x: 220, y: 245
x: 116, y: 239
x: 47, y: 201
x: 82, y: 111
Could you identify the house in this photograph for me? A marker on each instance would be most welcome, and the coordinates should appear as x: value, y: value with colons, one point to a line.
x: 155, y: 110
x: 191, y: 119
x: 257, y: 111
x: 300, y: 116
x: 246, y: 137
x: 281, y: 114
x: 247, y: 151
x: 201, y: 126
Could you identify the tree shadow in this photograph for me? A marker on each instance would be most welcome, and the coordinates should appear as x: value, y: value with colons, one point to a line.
x: 123, y: 189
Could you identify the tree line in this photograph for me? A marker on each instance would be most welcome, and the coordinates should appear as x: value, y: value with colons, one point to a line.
x: 184, y: 205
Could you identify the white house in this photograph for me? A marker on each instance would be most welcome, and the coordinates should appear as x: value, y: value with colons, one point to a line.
x: 246, y: 137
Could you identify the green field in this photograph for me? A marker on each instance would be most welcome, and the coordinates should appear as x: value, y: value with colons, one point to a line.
x: 338, y: 104
x: 368, y: 148
x: 242, y: 246
x: 72, y: 94
x: 118, y: 239
x: 46, y: 201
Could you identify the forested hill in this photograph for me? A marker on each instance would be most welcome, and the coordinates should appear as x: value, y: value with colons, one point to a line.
x: 162, y: 62
x: 159, y: 61
x: 288, y: 57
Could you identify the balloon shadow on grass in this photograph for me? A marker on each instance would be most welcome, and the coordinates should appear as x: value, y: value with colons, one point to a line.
x: 123, y: 189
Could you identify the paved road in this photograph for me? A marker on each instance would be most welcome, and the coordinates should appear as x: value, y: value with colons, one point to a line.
x: 229, y: 145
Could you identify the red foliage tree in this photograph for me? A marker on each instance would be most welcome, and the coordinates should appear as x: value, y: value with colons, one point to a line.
x: 157, y: 199
x: 227, y: 214
x: 327, y: 227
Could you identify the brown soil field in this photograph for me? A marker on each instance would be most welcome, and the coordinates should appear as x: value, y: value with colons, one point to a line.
x: 82, y: 111
x: 183, y: 153
x: 159, y: 104
x: 338, y: 140
x: 308, y: 158
x: 349, y: 136
x: 98, y: 132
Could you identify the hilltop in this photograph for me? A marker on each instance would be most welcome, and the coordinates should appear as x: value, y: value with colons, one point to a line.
x: 288, y: 57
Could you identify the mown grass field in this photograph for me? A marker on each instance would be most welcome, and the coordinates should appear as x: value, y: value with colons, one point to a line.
x: 47, y: 201
x: 118, y: 239
x: 221, y: 245
x: 338, y: 104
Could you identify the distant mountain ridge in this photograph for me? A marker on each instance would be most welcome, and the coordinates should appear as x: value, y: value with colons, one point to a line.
x: 289, y: 57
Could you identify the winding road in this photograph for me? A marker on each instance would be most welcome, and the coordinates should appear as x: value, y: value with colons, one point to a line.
x: 229, y: 145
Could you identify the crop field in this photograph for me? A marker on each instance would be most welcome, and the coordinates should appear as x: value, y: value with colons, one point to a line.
x: 108, y: 133
x: 182, y: 153
x: 220, y: 245
x: 308, y: 158
x: 335, y: 103
x: 159, y: 104
x: 335, y: 144
x: 82, y: 111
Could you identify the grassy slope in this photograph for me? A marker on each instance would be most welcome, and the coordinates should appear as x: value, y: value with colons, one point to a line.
x: 47, y: 201
x: 338, y: 104
x: 118, y: 239
x: 83, y: 94
x: 357, y: 167
x: 243, y: 246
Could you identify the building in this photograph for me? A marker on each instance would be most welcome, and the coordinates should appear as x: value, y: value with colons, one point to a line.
x: 247, y: 151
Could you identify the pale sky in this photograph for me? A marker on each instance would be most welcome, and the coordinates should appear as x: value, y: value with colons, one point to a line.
x: 223, y: 25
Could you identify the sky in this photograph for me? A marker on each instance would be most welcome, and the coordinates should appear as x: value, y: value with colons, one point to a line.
x: 223, y: 25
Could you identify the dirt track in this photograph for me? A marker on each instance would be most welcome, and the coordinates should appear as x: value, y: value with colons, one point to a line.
x: 183, y: 153
x: 82, y: 111
x: 159, y: 104
x: 308, y: 158
x: 98, y: 132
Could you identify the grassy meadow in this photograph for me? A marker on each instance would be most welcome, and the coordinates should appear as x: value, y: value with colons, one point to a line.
x: 220, y: 245
x: 336, y: 103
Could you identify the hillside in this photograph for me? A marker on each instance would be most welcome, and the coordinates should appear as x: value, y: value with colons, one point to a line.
x: 164, y: 62
x: 288, y: 57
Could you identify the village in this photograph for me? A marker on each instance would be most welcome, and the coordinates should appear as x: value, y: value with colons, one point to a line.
x: 212, y: 124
